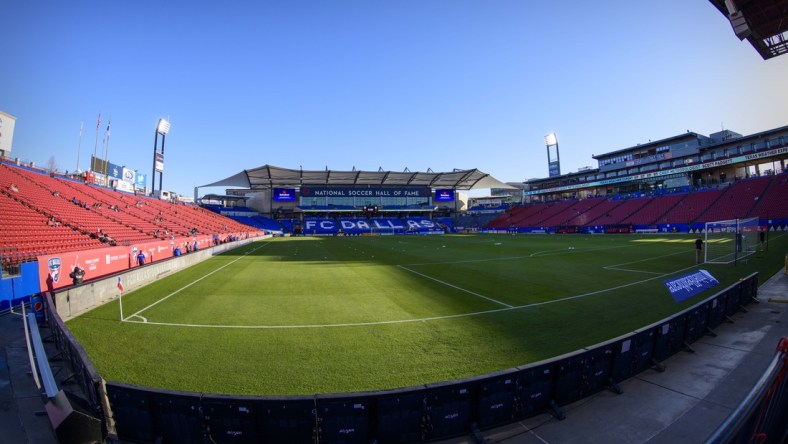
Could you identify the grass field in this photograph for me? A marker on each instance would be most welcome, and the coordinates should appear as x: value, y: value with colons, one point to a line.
x: 291, y: 316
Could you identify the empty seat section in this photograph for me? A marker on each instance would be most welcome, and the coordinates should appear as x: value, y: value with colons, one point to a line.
x: 690, y: 208
x: 773, y: 202
x: 569, y: 210
x: 44, y: 215
x: 738, y: 200
x: 596, y: 212
x: 654, y: 209
x: 617, y: 214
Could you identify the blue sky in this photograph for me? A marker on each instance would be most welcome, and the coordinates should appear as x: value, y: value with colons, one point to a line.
x: 370, y: 84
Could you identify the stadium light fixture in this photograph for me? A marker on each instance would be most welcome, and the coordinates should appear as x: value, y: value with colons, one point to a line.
x: 163, y: 127
x: 553, y: 159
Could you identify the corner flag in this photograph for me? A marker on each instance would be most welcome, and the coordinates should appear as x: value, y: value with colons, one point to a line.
x: 120, y: 284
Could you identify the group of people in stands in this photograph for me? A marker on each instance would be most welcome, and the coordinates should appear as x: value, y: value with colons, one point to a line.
x: 102, y: 236
x: 178, y: 251
x: 79, y: 203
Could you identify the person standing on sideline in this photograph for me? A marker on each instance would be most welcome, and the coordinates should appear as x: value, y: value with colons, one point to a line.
x: 698, y: 249
x: 141, y: 258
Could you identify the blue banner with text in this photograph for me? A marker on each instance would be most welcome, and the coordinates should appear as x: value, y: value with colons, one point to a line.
x: 690, y: 284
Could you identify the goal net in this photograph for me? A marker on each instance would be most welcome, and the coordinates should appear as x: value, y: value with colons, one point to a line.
x: 730, y: 240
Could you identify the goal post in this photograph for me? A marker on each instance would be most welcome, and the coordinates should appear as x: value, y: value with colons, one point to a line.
x: 727, y: 241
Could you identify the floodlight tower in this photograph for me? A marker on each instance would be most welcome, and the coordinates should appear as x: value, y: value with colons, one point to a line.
x: 553, y: 159
x: 162, y: 128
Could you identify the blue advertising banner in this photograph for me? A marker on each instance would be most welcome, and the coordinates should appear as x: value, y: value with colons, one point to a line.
x: 140, y: 180
x: 115, y: 171
x: 364, y: 192
x: 285, y: 194
x: 444, y: 195
x: 351, y: 225
x: 690, y: 284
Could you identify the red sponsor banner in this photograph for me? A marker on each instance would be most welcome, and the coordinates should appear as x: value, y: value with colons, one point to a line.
x: 54, y: 269
x: 154, y: 251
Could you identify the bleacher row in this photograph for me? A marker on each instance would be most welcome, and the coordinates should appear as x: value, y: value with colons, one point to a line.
x: 763, y: 197
x: 45, y: 215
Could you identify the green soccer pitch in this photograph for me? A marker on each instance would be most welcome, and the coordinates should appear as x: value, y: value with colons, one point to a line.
x: 298, y: 316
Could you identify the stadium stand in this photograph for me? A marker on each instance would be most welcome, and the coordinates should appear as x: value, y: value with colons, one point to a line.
x: 762, y: 197
x: 737, y: 201
x: 654, y: 209
x: 43, y: 214
x: 691, y: 207
x: 589, y: 217
x: 570, y: 210
x: 617, y: 214
x: 319, y: 226
x: 772, y: 202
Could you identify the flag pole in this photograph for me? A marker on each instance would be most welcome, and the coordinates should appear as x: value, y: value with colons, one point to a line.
x: 79, y: 145
x: 106, y: 150
x: 95, y: 147
x: 120, y: 298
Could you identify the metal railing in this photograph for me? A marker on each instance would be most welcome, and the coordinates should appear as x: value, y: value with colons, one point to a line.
x: 762, y: 416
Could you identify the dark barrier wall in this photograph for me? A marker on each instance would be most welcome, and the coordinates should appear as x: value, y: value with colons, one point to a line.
x: 414, y: 414
x: 69, y: 350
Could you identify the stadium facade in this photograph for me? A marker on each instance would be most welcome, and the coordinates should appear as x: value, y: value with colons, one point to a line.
x: 681, y: 166
x: 687, y: 161
x: 329, y: 202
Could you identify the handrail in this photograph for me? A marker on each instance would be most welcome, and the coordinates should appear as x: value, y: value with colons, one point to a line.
x: 734, y: 425
x: 50, y: 386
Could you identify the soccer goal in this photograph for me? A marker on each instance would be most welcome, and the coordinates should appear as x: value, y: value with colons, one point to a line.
x: 730, y: 240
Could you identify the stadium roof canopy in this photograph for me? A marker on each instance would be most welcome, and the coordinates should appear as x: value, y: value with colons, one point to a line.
x: 269, y: 176
x: 764, y: 23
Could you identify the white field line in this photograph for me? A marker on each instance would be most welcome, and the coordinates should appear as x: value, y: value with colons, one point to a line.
x: 350, y: 324
x: 617, y: 267
x: 509, y: 258
x: 407, y: 321
x: 584, y: 250
x: 455, y: 287
x: 634, y: 271
x: 194, y: 282
x: 467, y: 261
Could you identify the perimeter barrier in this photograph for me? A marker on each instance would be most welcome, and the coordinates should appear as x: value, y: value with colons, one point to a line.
x: 413, y: 414
x: 76, y: 361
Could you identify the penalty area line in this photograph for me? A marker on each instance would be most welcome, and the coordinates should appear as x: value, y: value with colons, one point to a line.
x: 455, y: 287
x: 616, y: 267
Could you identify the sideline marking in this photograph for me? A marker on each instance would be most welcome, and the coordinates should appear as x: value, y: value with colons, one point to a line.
x: 194, y: 282
x: 454, y: 286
